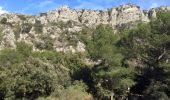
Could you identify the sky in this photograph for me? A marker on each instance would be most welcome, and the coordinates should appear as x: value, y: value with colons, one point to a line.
x: 38, y: 6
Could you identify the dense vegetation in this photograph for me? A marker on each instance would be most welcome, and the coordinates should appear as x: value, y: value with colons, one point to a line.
x: 131, y: 63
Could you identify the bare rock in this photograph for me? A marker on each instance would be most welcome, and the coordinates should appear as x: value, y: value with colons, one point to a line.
x: 8, y: 40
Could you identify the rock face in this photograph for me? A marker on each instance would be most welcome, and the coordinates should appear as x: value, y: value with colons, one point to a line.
x: 128, y: 14
x: 8, y: 40
x: 53, y: 30
x: 117, y: 16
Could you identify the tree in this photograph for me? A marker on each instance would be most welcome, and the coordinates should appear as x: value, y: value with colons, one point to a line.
x: 29, y: 79
x: 149, y: 44
x: 101, y: 44
x: 24, y: 75
x: 110, y: 77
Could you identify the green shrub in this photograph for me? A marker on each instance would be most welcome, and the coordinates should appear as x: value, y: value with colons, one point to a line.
x: 1, y: 35
x: 20, y: 29
x: 43, y: 14
x: 17, y: 31
x: 62, y: 24
x: 3, y: 21
x: 76, y: 91
x: 28, y: 75
x: 47, y: 43
x: 9, y: 57
x: 26, y: 27
x: 51, y: 56
x: 24, y: 49
x: 22, y: 17
x: 29, y: 79
x: 38, y: 27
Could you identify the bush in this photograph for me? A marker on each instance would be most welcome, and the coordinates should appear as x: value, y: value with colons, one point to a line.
x: 1, y: 35
x: 62, y: 24
x: 47, y: 43
x: 25, y: 76
x: 29, y: 79
x: 38, y: 27
x: 24, y: 49
x: 3, y: 21
x: 9, y: 57
x: 76, y: 91
x: 43, y: 14
x: 50, y: 56
x: 26, y: 27
x: 22, y: 17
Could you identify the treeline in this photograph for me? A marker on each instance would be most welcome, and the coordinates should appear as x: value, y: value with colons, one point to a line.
x: 129, y: 64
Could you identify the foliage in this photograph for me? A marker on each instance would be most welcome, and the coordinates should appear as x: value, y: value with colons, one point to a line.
x: 76, y: 91
x: 25, y: 76
x: 9, y: 57
x: 43, y: 14
x: 51, y: 56
x: 1, y: 34
x: 22, y: 17
x: 162, y: 23
x: 109, y: 77
x: 149, y: 46
x: 134, y: 63
x: 26, y: 27
x: 24, y: 49
x: 3, y: 21
x: 27, y: 80
x: 47, y: 43
x: 62, y: 24
x: 38, y: 27
x: 21, y: 29
x: 101, y: 46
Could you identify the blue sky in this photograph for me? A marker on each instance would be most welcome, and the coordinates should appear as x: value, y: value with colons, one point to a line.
x: 37, y: 6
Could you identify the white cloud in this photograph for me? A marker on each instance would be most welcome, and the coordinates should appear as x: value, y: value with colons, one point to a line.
x: 2, y: 11
x: 45, y: 3
x: 153, y: 5
x: 40, y: 5
x: 89, y: 5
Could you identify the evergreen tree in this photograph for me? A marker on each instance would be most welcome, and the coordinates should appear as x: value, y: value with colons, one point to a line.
x: 149, y: 44
x: 110, y: 77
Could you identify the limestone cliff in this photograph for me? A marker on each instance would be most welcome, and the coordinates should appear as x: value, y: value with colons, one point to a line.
x: 55, y: 29
x: 117, y: 16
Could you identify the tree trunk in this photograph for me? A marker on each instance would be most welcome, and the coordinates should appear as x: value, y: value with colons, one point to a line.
x: 112, y: 94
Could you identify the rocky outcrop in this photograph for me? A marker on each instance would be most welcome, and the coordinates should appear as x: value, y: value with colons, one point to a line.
x: 8, y: 40
x: 116, y: 16
x: 48, y: 30
x: 128, y: 14
x: 152, y: 12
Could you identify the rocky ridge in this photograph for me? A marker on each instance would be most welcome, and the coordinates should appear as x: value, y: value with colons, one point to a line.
x: 54, y: 29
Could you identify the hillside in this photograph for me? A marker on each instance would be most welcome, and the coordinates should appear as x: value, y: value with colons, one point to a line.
x: 81, y: 54
x: 51, y: 25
